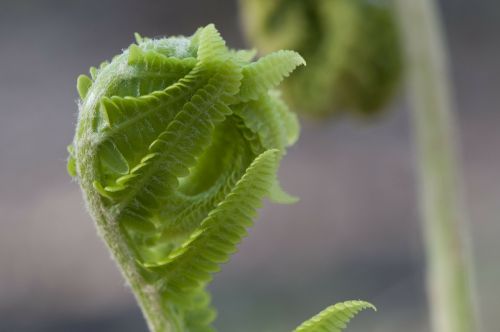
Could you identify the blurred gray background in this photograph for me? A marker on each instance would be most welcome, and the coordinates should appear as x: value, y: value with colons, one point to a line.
x: 355, y: 233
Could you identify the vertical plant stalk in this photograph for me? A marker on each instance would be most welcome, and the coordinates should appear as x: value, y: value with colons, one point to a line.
x: 444, y: 218
x: 148, y: 300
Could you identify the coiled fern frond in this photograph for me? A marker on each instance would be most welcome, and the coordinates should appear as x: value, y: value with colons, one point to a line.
x: 351, y: 47
x: 178, y: 140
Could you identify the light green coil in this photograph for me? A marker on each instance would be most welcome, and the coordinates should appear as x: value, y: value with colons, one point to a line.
x: 178, y: 141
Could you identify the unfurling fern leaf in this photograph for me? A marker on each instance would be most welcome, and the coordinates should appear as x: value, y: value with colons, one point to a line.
x: 178, y: 141
x: 351, y: 47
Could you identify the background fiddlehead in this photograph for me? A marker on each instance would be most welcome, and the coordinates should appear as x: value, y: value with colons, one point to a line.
x: 351, y: 47
x: 178, y: 140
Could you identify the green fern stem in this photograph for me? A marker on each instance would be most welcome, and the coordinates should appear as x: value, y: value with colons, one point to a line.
x: 178, y: 141
x: 157, y: 318
x: 449, y: 274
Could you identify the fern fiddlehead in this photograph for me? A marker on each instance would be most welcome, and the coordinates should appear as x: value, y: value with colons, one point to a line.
x: 351, y: 47
x: 177, y: 142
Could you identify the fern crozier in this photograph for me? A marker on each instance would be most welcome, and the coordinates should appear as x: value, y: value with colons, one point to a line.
x: 178, y: 141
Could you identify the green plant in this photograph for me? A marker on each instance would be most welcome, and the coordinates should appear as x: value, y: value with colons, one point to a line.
x: 177, y: 142
x: 351, y: 48
x: 451, y: 294
x: 354, y: 61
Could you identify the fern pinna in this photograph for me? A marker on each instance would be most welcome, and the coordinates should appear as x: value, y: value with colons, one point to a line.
x: 178, y: 141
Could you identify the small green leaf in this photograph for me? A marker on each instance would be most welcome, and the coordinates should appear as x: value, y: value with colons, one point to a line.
x: 335, y: 317
x: 268, y: 72
x: 138, y: 38
x: 278, y: 195
x: 83, y: 85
